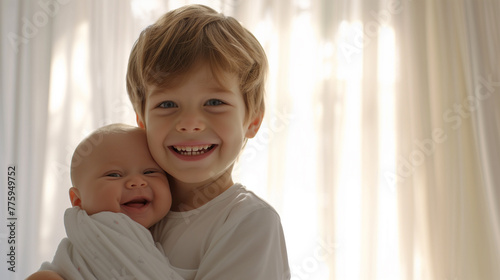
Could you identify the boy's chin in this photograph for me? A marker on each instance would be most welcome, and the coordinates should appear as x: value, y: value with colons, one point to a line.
x: 208, y: 183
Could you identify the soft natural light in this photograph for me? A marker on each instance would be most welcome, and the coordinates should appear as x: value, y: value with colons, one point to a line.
x: 348, y: 203
x: 293, y: 119
x: 289, y: 126
x: 305, y: 263
x: 372, y: 108
x: 387, y: 245
x: 64, y: 73
x: 350, y: 51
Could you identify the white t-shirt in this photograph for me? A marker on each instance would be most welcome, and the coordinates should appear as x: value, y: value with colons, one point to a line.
x: 236, y: 235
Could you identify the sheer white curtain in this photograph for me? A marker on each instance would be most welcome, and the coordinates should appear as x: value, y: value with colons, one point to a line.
x: 63, y: 69
x: 448, y: 127
x: 378, y: 147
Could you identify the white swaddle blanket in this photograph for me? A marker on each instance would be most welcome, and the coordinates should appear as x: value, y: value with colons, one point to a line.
x: 108, y: 246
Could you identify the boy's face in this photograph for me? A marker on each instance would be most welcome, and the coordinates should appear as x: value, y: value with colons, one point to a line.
x: 197, y: 128
x: 119, y: 175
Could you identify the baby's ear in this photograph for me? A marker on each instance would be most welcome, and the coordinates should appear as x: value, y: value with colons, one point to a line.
x: 74, y: 196
x: 254, y: 125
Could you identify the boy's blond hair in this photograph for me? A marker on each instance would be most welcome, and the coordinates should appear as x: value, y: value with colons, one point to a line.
x: 195, y: 33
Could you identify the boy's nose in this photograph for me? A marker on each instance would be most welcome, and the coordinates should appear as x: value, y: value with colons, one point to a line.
x: 190, y: 123
x: 136, y: 182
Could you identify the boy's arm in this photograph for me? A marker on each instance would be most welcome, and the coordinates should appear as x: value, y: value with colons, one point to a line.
x: 44, y: 275
x: 252, y: 249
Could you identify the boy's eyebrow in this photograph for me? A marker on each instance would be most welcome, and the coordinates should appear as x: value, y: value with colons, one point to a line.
x: 220, y: 89
x: 156, y: 91
x: 162, y: 91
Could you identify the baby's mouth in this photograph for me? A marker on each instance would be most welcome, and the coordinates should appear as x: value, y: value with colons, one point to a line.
x: 137, y: 203
x: 192, y: 150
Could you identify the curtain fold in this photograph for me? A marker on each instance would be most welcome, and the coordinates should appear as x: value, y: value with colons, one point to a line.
x: 484, y: 84
x: 451, y: 231
x: 24, y: 50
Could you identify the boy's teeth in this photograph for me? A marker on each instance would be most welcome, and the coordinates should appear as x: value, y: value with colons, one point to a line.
x: 192, y: 150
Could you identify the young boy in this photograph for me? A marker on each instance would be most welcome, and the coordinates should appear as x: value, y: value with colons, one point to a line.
x: 113, y: 172
x: 196, y: 81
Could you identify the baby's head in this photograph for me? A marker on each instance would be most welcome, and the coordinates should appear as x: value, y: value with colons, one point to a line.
x: 112, y: 170
x: 182, y: 39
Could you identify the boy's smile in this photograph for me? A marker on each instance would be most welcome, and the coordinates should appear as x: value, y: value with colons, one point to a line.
x: 197, y: 127
x: 193, y: 152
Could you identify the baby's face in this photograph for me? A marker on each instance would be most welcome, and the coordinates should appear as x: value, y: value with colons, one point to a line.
x: 119, y: 175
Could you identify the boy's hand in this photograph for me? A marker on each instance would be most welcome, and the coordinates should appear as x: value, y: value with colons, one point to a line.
x: 45, y: 275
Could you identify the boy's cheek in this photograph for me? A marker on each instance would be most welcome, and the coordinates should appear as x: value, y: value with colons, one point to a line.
x: 158, y: 152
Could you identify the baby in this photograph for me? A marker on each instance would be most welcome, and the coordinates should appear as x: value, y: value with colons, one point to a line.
x: 112, y: 171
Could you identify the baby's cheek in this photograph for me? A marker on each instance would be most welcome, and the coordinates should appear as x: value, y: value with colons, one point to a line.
x: 105, y: 202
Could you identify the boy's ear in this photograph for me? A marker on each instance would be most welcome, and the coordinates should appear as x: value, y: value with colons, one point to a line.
x: 139, y: 121
x: 254, y: 125
x: 74, y: 196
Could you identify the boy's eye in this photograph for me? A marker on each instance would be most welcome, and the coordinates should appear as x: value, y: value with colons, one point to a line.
x: 114, y: 175
x: 214, y: 102
x: 149, y: 172
x: 167, y: 104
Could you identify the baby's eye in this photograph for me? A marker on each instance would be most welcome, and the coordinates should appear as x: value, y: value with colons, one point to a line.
x: 154, y: 172
x: 214, y: 102
x: 167, y: 104
x: 114, y: 175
